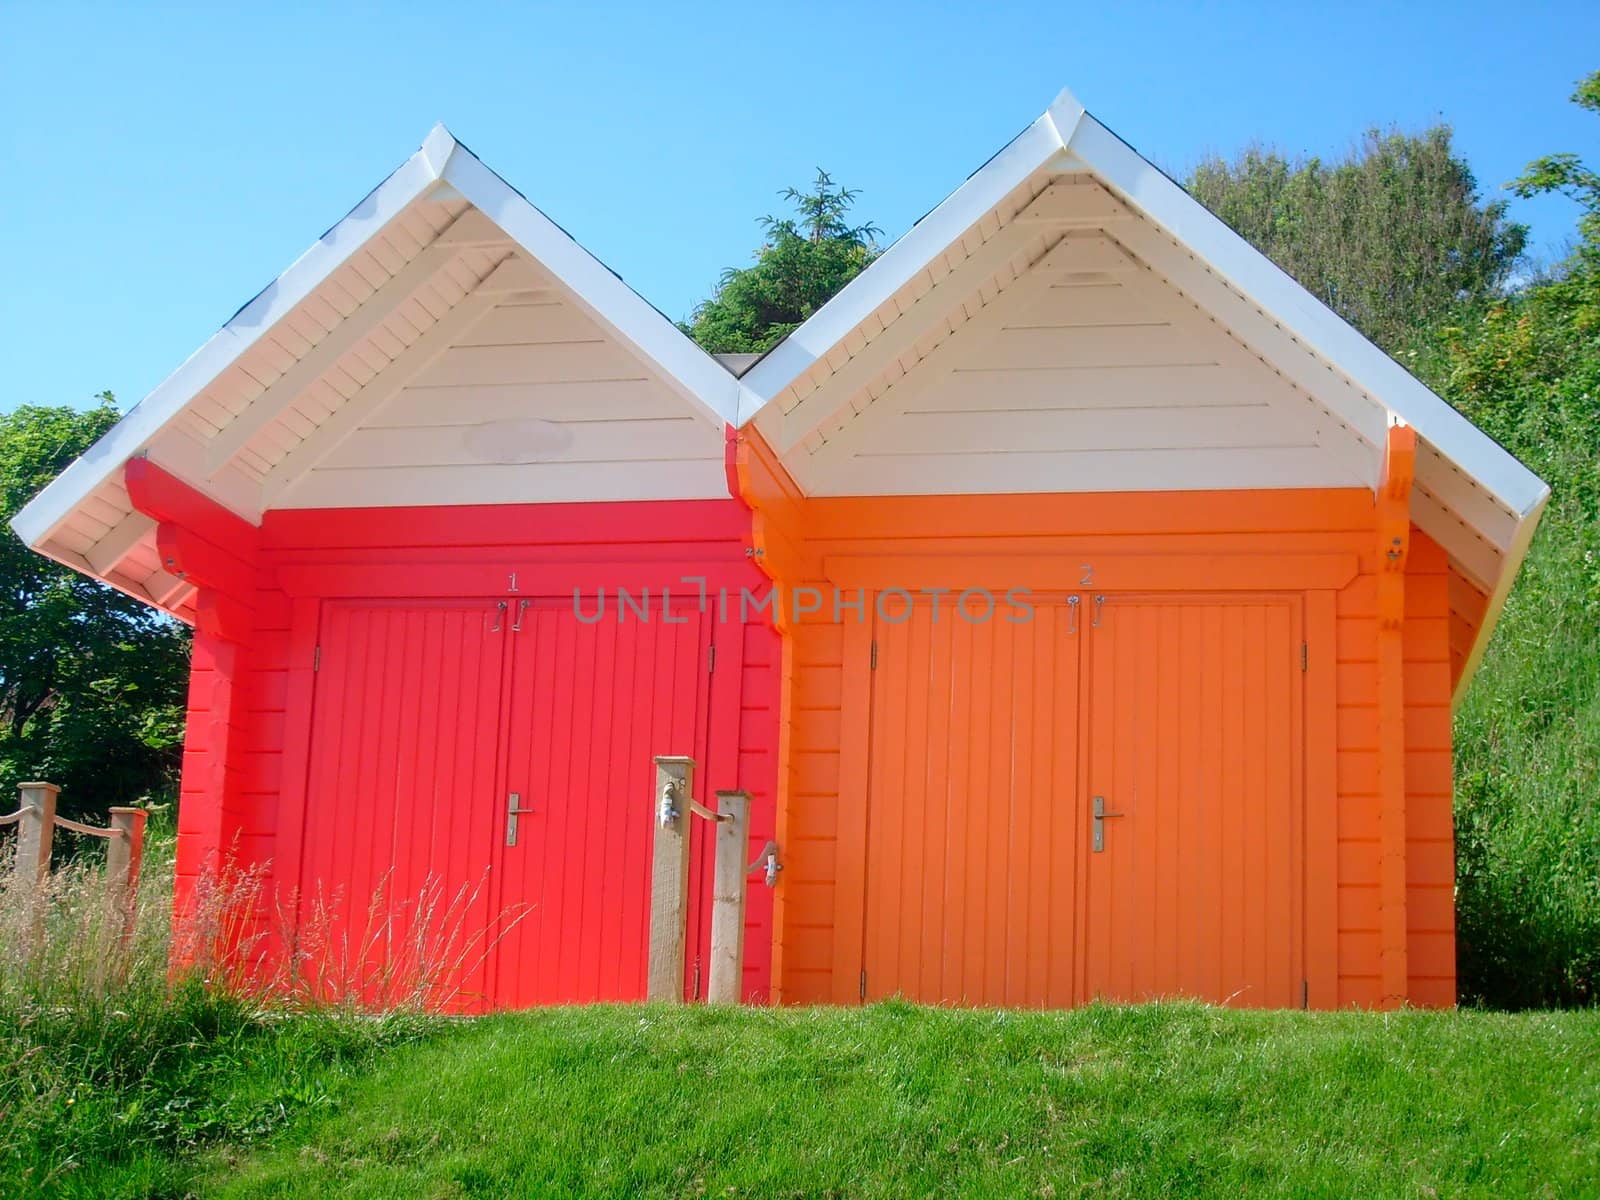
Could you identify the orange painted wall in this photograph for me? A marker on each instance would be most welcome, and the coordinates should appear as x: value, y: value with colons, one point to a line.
x: 1430, y: 836
x: 814, y: 961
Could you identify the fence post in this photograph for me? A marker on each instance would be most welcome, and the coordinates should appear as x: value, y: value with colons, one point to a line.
x: 124, y: 853
x: 34, y: 830
x: 669, y: 876
x: 730, y: 881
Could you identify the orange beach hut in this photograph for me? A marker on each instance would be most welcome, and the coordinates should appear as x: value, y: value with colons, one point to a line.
x: 1262, y: 562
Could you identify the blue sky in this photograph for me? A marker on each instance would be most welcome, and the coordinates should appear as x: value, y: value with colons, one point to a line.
x: 160, y: 163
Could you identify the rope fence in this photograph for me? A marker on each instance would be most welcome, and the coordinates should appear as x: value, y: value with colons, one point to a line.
x: 88, y: 830
x: 36, y: 820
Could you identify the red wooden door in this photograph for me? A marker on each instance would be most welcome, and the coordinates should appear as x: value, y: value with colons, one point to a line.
x: 399, y: 819
x: 588, y: 706
x: 972, y: 833
x: 1194, y: 736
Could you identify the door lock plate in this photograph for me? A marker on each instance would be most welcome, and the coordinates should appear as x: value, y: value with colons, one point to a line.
x: 1098, y: 823
x: 514, y: 810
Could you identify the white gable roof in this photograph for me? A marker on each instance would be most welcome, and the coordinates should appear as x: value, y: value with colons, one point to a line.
x: 444, y: 342
x: 1070, y: 319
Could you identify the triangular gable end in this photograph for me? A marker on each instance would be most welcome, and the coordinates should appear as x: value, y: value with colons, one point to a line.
x: 1070, y: 319
x: 445, y: 342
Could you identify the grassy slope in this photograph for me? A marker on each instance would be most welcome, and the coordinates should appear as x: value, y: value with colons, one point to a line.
x: 1528, y: 737
x: 899, y: 1101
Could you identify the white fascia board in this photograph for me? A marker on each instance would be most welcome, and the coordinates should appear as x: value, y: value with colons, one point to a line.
x: 40, y: 517
x: 1034, y: 147
x: 1510, y: 566
x: 710, y: 388
x: 1305, y: 317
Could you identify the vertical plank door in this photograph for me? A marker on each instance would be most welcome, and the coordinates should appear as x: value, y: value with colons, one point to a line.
x: 588, y: 706
x: 394, y: 887
x: 971, y: 833
x: 1195, y: 726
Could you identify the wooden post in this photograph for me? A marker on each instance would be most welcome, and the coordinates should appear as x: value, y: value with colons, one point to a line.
x: 34, y: 830
x: 1394, y: 544
x: 730, y: 879
x: 669, y: 876
x: 124, y: 853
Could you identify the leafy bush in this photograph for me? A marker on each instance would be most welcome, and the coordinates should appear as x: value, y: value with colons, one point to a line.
x: 1527, y: 370
x: 1528, y: 735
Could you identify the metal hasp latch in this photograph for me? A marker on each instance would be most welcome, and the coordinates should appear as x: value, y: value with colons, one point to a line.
x: 1100, y: 818
x: 767, y: 863
x: 513, y: 811
x: 667, y: 807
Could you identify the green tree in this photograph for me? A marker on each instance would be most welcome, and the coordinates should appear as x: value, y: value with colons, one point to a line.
x: 1565, y: 174
x: 804, y: 260
x: 1392, y: 237
x: 91, y: 680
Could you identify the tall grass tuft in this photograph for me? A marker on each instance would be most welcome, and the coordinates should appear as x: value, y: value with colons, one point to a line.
x: 119, y: 1055
x: 423, y: 952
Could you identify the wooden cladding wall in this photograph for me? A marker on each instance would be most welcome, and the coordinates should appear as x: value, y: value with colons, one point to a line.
x: 248, y: 771
x: 798, y: 732
x: 820, y: 945
x: 1430, y: 829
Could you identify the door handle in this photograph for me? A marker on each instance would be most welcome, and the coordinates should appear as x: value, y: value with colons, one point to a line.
x: 514, y: 810
x: 1099, y: 822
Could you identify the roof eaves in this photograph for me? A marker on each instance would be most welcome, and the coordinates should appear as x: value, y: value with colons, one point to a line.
x: 1324, y: 332
x: 42, y: 515
x: 911, y: 253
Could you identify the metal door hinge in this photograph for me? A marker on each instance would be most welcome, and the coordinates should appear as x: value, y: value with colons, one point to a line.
x: 863, y: 985
x: 874, y: 656
x: 711, y: 660
x: 316, y: 658
x: 1303, y: 655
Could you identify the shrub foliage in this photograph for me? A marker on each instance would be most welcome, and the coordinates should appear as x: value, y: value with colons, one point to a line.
x: 91, y: 680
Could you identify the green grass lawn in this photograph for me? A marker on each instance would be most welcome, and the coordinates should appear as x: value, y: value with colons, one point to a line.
x: 894, y: 1100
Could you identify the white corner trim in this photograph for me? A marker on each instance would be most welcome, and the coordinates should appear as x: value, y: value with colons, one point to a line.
x: 45, y: 512
x: 1026, y: 153
x: 710, y: 388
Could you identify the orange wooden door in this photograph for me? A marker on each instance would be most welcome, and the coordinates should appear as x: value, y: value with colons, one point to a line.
x: 400, y: 817
x: 972, y: 839
x: 588, y: 706
x: 1194, y: 741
